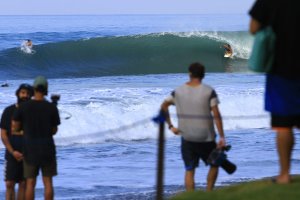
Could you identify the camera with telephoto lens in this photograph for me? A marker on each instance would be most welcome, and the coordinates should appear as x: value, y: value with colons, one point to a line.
x: 218, y: 158
x: 55, y: 98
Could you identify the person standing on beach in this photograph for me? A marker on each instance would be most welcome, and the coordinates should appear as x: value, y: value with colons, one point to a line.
x: 282, y: 96
x: 198, y: 135
x: 13, y: 170
x: 39, y: 120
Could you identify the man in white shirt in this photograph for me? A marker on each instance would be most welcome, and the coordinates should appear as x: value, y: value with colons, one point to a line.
x: 197, y: 110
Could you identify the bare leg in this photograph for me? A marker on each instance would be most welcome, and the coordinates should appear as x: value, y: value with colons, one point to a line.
x: 285, y: 143
x: 212, y: 177
x: 21, y: 191
x: 30, y: 186
x: 49, y: 192
x: 10, y: 190
x: 189, y: 180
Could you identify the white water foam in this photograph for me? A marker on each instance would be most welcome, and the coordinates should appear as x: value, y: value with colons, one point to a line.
x: 241, y: 42
x: 99, y: 106
x: 102, y: 109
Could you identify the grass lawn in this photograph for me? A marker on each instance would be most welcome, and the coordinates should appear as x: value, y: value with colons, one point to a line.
x: 256, y: 190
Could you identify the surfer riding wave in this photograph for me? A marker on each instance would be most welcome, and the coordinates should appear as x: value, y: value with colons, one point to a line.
x: 26, y: 47
x: 227, y: 50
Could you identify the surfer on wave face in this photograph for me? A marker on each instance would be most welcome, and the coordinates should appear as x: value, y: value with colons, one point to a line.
x: 26, y: 47
x: 28, y: 43
x: 228, y: 50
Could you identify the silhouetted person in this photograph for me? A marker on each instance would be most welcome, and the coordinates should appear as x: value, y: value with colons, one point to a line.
x: 13, y: 143
x: 39, y: 120
x: 282, y: 96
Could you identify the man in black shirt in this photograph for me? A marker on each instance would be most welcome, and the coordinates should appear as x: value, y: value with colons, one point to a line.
x: 13, y: 169
x: 39, y: 120
x: 282, y: 98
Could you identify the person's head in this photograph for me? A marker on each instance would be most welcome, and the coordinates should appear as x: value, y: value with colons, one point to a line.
x: 40, y: 85
x: 197, y: 70
x: 24, y: 92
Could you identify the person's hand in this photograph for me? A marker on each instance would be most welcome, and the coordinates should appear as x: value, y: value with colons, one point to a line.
x: 176, y: 131
x: 17, y: 155
x: 221, y: 143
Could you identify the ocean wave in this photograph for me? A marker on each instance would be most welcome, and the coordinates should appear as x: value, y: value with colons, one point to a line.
x: 156, y: 53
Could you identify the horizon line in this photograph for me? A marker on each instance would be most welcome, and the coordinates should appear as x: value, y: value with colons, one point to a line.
x: 123, y: 14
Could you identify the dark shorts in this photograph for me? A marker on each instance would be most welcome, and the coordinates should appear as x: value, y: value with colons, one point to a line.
x: 32, y: 171
x: 285, y: 121
x: 13, y: 170
x: 193, y: 151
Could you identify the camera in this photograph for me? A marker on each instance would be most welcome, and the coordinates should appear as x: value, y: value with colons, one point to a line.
x: 218, y: 158
x: 55, y: 98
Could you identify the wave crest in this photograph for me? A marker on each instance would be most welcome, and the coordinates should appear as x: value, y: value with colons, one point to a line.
x: 128, y: 55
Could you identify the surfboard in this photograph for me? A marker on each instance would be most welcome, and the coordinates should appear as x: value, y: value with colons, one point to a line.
x: 227, y: 55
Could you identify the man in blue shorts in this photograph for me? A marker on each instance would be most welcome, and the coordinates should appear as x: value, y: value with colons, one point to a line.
x: 197, y: 110
x: 282, y: 97
x: 13, y: 168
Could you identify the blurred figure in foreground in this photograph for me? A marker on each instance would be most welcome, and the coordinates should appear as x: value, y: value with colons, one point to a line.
x: 282, y: 98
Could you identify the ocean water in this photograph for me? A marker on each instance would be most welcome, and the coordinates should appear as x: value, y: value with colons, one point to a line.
x: 112, y: 73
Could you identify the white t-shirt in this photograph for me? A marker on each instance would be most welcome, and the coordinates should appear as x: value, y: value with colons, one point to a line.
x: 193, y: 105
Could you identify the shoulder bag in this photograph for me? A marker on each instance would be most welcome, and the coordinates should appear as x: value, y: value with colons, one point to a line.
x: 262, y: 55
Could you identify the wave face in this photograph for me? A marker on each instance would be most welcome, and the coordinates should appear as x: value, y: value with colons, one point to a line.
x: 128, y: 55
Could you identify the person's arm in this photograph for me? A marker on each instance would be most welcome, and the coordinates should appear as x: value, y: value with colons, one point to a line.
x: 165, y: 108
x: 5, y: 141
x: 219, y: 124
x: 4, y: 137
x: 16, y: 122
x: 16, y: 127
x: 55, y: 120
x: 254, y: 26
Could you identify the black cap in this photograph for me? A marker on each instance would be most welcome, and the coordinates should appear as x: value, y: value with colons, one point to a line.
x: 25, y: 86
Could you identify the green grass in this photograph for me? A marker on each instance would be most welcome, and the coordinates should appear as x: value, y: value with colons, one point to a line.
x: 256, y: 190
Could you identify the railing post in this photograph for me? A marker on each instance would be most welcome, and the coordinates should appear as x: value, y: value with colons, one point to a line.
x: 160, y: 158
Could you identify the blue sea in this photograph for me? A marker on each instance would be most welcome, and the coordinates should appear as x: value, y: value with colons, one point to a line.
x: 113, y: 72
